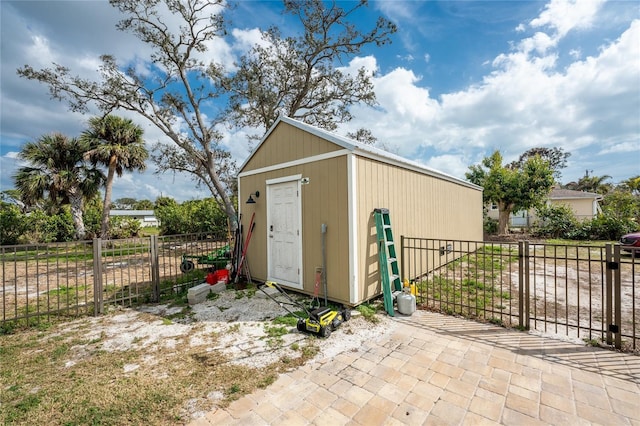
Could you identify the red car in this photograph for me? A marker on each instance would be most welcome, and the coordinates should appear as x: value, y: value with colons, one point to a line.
x: 631, y: 242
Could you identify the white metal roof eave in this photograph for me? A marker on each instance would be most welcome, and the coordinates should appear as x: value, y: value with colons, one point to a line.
x: 357, y: 149
x: 596, y: 198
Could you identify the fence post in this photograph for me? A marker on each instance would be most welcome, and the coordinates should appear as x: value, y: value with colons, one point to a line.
x: 617, y: 297
x: 527, y: 287
x: 608, y: 293
x: 98, y: 293
x: 155, y: 269
x: 521, y: 284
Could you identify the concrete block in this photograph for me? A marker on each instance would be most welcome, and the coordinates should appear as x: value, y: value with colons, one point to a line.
x: 219, y: 287
x: 198, y: 293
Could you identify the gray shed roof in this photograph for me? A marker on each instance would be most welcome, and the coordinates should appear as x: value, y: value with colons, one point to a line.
x: 131, y: 213
x: 570, y: 194
x: 363, y: 150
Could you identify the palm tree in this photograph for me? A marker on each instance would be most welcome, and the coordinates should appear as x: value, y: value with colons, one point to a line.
x: 59, y: 175
x: 632, y: 184
x: 116, y: 143
x: 595, y: 184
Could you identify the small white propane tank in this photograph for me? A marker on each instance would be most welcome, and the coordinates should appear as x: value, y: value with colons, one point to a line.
x: 406, y: 302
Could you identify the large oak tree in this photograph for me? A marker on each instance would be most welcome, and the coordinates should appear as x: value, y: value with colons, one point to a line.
x: 180, y: 79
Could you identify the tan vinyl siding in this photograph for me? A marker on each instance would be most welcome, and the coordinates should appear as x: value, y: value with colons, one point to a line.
x: 419, y: 205
x: 582, y: 208
x: 323, y: 200
x: 288, y: 143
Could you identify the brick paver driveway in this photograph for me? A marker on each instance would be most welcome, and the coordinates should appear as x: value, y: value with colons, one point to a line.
x: 435, y: 369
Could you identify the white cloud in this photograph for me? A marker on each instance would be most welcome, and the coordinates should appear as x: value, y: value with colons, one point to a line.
x: 565, y: 15
x: 589, y: 107
x: 575, y: 53
x: 246, y: 39
x: 540, y: 43
x: 369, y: 64
x: 456, y: 165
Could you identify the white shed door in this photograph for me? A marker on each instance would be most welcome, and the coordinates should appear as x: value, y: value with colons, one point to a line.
x: 284, y: 248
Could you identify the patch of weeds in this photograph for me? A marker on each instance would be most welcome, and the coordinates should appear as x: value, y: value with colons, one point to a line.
x: 266, y: 381
x: 59, y: 351
x: 98, y: 339
x: 67, y: 290
x: 289, y: 319
x: 166, y: 321
x: 235, y: 388
x: 251, y: 290
x: 368, y: 313
x: 310, y: 351
x: 239, y: 294
x: 23, y: 407
x: 285, y: 360
x: 275, y: 334
x: 496, y: 321
x: 213, y: 295
x: 295, y: 346
x: 520, y: 328
x: 275, y: 331
x: 184, y: 313
x: 275, y: 342
x: 8, y: 327
x: 591, y: 342
x: 234, y: 328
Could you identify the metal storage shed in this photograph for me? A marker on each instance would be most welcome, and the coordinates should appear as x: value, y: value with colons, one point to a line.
x: 302, y: 177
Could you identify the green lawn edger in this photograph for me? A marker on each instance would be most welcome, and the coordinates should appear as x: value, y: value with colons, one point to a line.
x: 320, y: 321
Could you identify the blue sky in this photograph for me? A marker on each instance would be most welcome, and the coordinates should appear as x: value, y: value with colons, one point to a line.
x: 460, y: 80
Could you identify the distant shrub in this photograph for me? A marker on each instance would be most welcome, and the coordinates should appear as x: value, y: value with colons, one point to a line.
x: 490, y: 226
x: 555, y: 221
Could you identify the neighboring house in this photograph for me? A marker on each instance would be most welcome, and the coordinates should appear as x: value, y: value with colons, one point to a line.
x: 301, y: 178
x: 585, y: 206
x: 147, y: 218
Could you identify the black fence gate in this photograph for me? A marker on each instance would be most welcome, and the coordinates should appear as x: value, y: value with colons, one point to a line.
x: 585, y: 292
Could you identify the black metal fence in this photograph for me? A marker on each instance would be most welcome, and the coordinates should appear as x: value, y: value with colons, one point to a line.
x: 580, y: 291
x: 45, y: 281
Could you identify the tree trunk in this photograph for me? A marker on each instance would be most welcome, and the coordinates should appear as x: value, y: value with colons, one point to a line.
x: 504, y: 211
x: 76, y: 199
x: 220, y: 189
x: 104, y: 227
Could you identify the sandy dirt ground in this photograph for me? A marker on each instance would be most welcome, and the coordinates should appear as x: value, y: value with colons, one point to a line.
x: 231, y: 326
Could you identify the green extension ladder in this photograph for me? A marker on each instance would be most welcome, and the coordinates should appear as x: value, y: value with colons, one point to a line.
x: 389, y: 272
